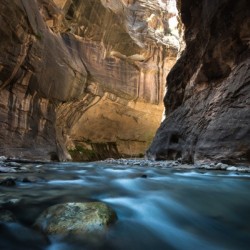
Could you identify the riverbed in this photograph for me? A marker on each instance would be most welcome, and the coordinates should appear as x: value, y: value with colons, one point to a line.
x: 157, y: 208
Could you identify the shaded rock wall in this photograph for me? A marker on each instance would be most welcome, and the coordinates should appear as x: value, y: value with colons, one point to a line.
x: 208, y: 98
x: 83, y: 73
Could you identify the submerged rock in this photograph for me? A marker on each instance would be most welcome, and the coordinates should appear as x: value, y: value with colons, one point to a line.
x: 8, y: 182
x: 7, y: 216
x: 87, y: 218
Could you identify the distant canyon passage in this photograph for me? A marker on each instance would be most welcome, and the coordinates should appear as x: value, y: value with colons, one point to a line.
x: 85, y: 77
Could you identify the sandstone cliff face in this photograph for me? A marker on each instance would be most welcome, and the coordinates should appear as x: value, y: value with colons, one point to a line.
x: 83, y: 73
x: 208, y: 98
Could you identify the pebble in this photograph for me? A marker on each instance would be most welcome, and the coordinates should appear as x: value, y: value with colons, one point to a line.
x: 232, y: 168
x: 3, y: 158
x: 4, y: 169
x: 176, y: 164
x: 13, y: 164
x: 26, y: 180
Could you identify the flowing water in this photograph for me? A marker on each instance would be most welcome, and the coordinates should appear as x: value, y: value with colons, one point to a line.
x: 157, y: 208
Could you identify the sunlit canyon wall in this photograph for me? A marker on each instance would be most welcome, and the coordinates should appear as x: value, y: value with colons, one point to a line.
x: 85, y: 77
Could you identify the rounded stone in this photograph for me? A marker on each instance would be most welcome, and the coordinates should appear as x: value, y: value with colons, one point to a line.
x: 85, y: 218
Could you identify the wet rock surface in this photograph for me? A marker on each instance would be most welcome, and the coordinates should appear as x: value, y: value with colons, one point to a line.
x: 8, y: 182
x: 207, y: 102
x: 85, y: 219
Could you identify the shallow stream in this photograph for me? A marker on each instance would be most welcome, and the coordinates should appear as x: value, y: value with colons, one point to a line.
x: 157, y: 208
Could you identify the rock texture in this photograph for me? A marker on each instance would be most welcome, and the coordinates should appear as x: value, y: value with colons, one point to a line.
x: 208, y: 98
x: 85, y: 219
x: 83, y: 74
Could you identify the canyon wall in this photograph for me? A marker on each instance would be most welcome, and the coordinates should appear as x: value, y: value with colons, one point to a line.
x: 208, y: 97
x: 83, y: 76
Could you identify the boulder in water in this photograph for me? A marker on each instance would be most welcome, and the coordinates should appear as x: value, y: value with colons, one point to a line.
x: 87, y: 218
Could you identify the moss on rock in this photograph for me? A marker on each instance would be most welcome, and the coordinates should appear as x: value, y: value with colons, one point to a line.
x: 87, y: 218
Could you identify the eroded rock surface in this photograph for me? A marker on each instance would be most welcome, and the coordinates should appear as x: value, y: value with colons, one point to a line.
x: 83, y: 73
x: 208, y: 98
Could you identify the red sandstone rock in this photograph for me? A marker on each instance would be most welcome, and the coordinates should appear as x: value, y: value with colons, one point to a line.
x: 62, y: 61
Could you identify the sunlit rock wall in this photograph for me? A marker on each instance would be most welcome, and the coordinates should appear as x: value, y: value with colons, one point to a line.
x: 87, y: 76
x: 208, y: 98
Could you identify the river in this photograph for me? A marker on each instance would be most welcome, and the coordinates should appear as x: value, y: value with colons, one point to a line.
x: 157, y: 208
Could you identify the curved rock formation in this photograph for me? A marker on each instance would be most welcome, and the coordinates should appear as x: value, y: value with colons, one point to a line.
x: 208, y: 98
x: 85, y: 75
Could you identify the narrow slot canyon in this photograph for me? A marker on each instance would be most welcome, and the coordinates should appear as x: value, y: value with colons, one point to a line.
x: 124, y: 124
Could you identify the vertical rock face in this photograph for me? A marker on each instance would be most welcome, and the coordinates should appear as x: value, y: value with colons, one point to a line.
x: 208, y: 98
x: 37, y: 71
x: 83, y: 74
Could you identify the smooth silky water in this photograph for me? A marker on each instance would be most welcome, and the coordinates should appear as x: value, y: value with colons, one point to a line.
x: 170, y: 209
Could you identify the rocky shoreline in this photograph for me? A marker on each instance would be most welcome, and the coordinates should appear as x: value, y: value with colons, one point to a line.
x: 177, y: 164
x: 24, y: 166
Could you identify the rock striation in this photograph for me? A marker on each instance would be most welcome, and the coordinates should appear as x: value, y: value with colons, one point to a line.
x: 208, y: 97
x: 85, y: 76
